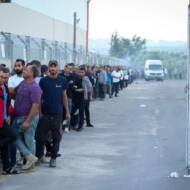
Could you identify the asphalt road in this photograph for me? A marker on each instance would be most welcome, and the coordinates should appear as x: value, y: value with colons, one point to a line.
x: 138, y: 140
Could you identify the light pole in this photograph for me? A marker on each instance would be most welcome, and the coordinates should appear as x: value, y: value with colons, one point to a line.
x: 5, y: 1
x: 75, y: 21
x: 188, y: 98
x: 87, y: 28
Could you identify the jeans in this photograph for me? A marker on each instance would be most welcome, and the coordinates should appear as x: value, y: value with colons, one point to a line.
x: 26, y: 140
x: 48, y: 123
x: 70, y: 104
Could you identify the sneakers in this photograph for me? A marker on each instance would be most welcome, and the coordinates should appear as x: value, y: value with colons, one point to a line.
x: 48, y: 154
x: 30, y: 162
x: 79, y: 129
x: 89, y: 125
x: 10, y: 171
x: 66, y: 129
x: 52, y: 163
x: 42, y: 160
x: 59, y: 155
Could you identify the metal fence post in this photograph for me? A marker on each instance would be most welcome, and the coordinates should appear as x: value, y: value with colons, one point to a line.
x: 27, y: 47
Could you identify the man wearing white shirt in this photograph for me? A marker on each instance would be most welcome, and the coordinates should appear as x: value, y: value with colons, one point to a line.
x: 126, y: 78
x: 13, y: 82
x: 116, y: 74
x: 17, y: 78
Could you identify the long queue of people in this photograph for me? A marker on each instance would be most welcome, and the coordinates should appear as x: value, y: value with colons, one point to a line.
x: 39, y: 102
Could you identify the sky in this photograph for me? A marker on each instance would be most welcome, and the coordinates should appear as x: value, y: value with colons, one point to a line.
x: 59, y: 9
x: 151, y: 19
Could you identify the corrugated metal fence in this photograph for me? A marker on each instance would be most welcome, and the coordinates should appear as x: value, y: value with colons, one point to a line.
x: 28, y: 48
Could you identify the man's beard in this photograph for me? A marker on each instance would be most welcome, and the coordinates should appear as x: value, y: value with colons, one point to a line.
x: 18, y: 72
x: 53, y: 73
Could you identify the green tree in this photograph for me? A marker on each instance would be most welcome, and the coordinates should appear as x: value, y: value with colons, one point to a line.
x: 127, y: 48
x: 135, y: 50
x: 175, y: 63
x: 116, y: 48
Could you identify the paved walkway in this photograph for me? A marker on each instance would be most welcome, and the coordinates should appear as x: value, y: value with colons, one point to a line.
x: 138, y: 139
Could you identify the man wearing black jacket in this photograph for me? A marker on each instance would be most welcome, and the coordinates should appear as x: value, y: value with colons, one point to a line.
x: 68, y: 74
x: 78, y: 101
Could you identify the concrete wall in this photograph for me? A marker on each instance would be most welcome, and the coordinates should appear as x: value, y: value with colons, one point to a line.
x: 59, y: 9
x: 23, y: 21
x: 7, y: 62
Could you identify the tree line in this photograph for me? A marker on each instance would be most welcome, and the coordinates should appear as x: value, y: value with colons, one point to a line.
x: 135, y: 52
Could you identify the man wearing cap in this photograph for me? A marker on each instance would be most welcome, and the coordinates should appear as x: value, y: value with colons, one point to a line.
x: 54, y: 98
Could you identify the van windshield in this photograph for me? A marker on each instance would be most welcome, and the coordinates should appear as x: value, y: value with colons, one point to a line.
x: 155, y: 67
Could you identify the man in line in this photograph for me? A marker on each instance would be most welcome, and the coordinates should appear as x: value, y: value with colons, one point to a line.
x: 116, y: 79
x: 88, y: 91
x: 102, y: 81
x: 109, y: 81
x: 38, y: 66
x: 68, y: 74
x: 78, y: 101
x: 13, y: 82
x: 121, y: 82
x: 17, y: 78
x: 7, y: 134
x: 54, y: 98
x: 26, y: 114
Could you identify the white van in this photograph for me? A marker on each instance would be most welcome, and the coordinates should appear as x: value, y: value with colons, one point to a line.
x: 153, y: 70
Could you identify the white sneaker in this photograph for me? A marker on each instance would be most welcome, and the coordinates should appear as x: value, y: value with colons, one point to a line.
x: 30, y: 162
x: 66, y: 129
x: 42, y: 160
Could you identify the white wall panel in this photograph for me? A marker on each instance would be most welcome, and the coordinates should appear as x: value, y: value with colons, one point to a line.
x: 59, y: 9
x: 23, y: 21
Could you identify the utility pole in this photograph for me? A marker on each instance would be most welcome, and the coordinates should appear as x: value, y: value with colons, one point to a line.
x: 74, y: 36
x: 5, y: 1
x: 188, y: 98
x: 75, y: 22
x: 87, y: 27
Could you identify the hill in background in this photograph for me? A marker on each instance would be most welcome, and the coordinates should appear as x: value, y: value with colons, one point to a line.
x: 102, y: 46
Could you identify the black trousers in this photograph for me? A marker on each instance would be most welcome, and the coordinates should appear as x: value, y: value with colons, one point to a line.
x: 115, y: 88
x: 121, y: 83
x: 80, y: 116
x: 102, y: 91
x: 87, y: 111
x: 7, y: 137
x: 95, y: 91
x: 48, y: 123
x: 12, y: 149
x: 125, y: 83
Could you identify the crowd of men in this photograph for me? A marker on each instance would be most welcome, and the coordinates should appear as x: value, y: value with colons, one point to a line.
x: 39, y: 102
